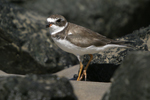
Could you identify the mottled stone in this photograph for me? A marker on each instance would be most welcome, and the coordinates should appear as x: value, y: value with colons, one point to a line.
x: 25, y: 43
x: 131, y: 80
x: 111, y: 18
x: 36, y: 87
x: 106, y: 62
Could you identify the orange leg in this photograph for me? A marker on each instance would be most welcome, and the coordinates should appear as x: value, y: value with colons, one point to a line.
x: 81, y: 67
x: 85, y: 69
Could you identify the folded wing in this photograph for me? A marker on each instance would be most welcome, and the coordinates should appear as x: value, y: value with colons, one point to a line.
x: 84, y: 37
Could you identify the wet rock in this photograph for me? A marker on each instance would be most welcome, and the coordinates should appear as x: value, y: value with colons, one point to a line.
x: 111, y: 18
x: 104, y: 64
x: 131, y: 81
x: 36, y: 87
x: 25, y: 46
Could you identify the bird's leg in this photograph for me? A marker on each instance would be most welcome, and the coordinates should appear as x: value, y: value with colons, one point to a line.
x: 85, y: 69
x: 79, y: 74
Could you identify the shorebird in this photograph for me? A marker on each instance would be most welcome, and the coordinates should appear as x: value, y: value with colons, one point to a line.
x: 78, y: 40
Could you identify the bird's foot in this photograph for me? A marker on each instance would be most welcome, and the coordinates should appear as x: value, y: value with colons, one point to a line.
x: 83, y: 75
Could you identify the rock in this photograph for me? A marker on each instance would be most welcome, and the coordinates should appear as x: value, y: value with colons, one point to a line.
x: 131, y: 80
x: 105, y: 63
x: 36, y: 87
x: 25, y: 46
x: 111, y: 18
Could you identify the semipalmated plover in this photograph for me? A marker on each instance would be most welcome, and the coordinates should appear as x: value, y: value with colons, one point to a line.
x: 78, y: 40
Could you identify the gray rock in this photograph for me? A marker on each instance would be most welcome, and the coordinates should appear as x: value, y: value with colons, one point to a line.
x: 111, y: 18
x: 104, y: 64
x: 25, y: 44
x: 36, y: 87
x: 131, y: 80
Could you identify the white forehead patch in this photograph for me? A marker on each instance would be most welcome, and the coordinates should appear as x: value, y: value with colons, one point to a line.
x: 51, y: 19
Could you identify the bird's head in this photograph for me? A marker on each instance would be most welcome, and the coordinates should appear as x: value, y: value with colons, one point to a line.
x: 56, y: 23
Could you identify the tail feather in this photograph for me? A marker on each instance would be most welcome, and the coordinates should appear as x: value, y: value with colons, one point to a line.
x: 124, y: 43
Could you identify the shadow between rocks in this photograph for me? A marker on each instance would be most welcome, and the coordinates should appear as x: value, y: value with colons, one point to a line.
x: 101, y: 72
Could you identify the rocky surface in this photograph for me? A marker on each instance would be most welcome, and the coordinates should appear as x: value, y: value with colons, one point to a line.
x: 25, y: 46
x: 131, y: 80
x: 105, y: 63
x: 36, y: 87
x: 24, y: 41
x: 111, y: 18
x: 83, y: 90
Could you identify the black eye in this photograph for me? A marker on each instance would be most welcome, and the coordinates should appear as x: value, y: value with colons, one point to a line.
x: 59, y: 20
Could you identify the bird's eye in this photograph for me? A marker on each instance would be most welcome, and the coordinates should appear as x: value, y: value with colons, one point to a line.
x: 59, y: 20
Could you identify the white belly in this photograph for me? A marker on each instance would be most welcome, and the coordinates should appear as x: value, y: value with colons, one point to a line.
x: 71, y: 48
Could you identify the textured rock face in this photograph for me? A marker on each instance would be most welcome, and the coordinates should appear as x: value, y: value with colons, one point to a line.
x: 25, y: 46
x: 109, y: 17
x: 131, y: 80
x: 105, y: 63
x: 24, y: 40
x: 33, y: 87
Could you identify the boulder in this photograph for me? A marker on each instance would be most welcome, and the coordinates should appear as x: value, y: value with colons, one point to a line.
x: 36, y: 87
x: 25, y: 43
x: 131, y: 80
x: 104, y: 64
x: 111, y: 18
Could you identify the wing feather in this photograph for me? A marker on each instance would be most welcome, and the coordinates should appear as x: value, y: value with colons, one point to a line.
x: 84, y: 37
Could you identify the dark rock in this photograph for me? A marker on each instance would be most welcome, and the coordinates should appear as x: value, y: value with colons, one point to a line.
x: 106, y: 62
x: 109, y: 17
x: 131, y: 80
x: 25, y: 46
x: 34, y: 87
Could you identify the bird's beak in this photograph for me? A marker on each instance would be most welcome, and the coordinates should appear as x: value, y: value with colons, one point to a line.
x: 48, y: 25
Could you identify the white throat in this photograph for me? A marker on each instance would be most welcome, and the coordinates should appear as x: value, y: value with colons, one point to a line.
x: 55, y: 29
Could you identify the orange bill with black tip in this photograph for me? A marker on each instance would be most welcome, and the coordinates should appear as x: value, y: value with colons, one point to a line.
x: 48, y: 25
